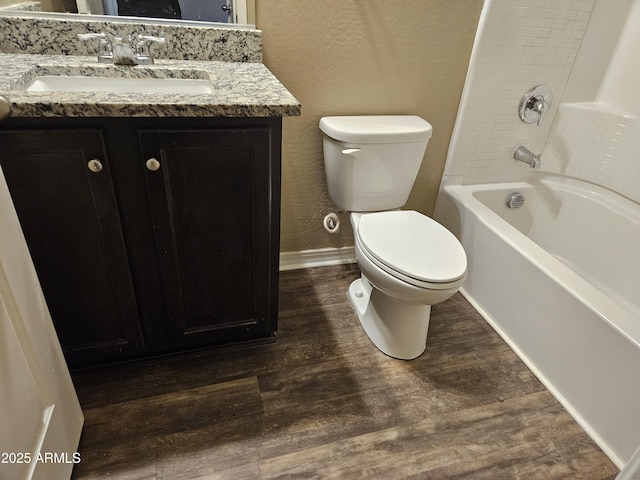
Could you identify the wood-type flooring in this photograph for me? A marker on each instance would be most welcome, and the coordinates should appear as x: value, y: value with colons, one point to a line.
x: 323, y: 402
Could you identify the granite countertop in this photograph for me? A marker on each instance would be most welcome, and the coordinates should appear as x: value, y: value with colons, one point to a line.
x: 239, y: 89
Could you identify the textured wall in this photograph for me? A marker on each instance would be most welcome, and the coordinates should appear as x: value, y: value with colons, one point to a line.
x: 349, y: 57
x: 58, y: 6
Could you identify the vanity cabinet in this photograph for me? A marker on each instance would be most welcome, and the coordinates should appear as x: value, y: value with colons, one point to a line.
x: 69, y: 216
x: 150, y: 235
x: 210, y: 198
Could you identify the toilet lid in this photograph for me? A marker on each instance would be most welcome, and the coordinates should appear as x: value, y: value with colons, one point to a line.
x: 414, y: 245
x: 376, y: 128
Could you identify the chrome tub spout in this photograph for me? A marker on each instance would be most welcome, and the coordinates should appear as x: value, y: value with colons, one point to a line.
x: 523, y: 154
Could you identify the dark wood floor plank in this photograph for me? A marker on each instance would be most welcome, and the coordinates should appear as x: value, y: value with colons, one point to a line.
x: 235, y: 459
x: 489, y: 436
x: 141, y: 430
x: 323, y: 402
x: 200, y: 468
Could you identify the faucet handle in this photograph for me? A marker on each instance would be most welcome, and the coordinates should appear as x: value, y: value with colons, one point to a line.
x: 540, y: 106
x: 89, y: 36
x: 105, y: 51
x: 143, y: 53
x: 535, y: 104
x: 150, y: 38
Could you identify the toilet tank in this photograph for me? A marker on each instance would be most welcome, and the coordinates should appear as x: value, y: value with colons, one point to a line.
x: 371, y: 162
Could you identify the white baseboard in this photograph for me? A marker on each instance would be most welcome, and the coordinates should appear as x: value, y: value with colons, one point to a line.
x: 317, y: 258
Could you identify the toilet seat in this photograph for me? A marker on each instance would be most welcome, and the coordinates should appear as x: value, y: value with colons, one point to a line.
x: 412, y: 247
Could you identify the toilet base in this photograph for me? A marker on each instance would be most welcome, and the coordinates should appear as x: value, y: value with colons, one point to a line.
x: 398, y: 329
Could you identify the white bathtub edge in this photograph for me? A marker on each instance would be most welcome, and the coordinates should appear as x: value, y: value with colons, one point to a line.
x: 595, y: 301
x: 546, y: 382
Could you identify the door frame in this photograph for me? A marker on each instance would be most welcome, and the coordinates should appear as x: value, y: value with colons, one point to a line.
x: 40, y: 393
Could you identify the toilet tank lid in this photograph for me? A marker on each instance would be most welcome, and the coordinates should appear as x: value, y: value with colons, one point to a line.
x: 377, y: 128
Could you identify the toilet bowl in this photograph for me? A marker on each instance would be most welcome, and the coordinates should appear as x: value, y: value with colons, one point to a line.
x: 408, y: 261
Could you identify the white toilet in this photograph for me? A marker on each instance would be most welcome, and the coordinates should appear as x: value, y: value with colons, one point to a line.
x: 408, y: 261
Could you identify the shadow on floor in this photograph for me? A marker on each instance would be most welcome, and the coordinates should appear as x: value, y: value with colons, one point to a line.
x: 323, y: 402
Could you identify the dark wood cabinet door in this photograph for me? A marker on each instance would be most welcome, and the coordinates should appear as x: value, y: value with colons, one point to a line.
x: 211, y: 203
x: 62, y: 189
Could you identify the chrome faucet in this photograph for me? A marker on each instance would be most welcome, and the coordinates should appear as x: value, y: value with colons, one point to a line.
x: 105, y: 53
x: 535, y: 104
x: 115, y: 49
x: 123, y: 53
x: 523, y: 154
x: 141, y: 46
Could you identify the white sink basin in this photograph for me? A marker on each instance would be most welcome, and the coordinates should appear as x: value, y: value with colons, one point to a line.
x: 65, y: 83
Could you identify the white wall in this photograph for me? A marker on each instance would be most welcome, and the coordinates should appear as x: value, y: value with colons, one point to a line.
x: 620, y: 86
x: 596, y: 134
x: 598, y: 45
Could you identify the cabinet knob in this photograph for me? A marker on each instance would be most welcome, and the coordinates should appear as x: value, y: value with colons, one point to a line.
x: 153, y: 164
x: 5, y: 108
x: 95, y: 165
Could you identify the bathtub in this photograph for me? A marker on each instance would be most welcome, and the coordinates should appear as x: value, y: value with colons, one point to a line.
x: 559, y: 280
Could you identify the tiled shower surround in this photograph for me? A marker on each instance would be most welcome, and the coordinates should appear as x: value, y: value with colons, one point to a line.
x: 593, y: 143
x: 523, y: 44
x: 518, y: 47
